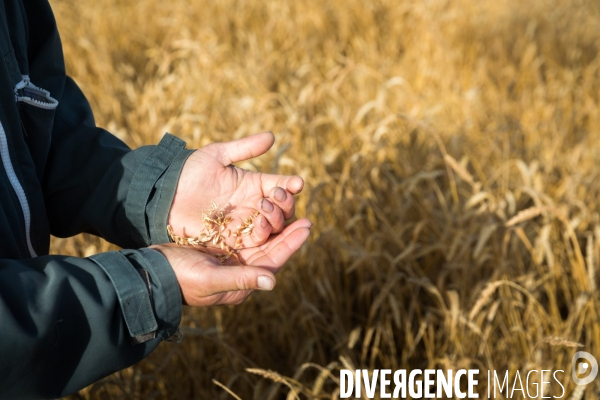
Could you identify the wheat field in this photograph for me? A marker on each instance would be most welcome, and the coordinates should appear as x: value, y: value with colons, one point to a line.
x: 450, y: 151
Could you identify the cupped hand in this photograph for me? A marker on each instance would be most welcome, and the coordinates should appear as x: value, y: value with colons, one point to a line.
x: 204, y: 281
x: 208, y: 176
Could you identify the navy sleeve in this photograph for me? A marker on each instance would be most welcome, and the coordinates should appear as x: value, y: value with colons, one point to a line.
x: 67, y: 322
x: 94, y: 183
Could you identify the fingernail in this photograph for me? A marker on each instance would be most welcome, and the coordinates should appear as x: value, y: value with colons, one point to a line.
x: 266, y: 205
x: 265, y: 283
x: 280, y: 194
x: 263, y: 222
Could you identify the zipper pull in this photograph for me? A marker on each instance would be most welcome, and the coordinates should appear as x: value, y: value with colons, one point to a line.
x: 24, y: 82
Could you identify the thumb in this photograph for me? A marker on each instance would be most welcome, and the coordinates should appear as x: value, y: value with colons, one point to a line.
x: 243, y: 277
x: 245, y: 148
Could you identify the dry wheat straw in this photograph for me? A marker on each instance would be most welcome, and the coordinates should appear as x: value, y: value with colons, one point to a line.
x: 215, y: 232
x: 294, y: 387
x: 219, y: 384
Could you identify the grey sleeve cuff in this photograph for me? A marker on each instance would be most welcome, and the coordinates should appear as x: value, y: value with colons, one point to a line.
x: 148, y: 311
x: 152, y: 189
x: 166, y: 294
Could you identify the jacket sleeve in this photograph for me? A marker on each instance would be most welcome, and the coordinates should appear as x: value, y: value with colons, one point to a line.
x: 67, y: 322
x: 94, y: 183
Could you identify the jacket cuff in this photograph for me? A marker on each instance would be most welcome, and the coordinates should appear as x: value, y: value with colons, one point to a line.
x: 148, y: 311
x: 152, y: 189
x: 166, y: 294
x: 131, y: 290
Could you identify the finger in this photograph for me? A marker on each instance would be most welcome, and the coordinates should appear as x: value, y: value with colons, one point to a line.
x: 292, y: 183
x: 251, y: 248
x: 262, y: 230
x: 273, y: 214
x: 280, y: 253
x: 222, y: 279
x: 276, y: 239
x: 280, y: 248
x: 245, y: 148
x: 284, y: 200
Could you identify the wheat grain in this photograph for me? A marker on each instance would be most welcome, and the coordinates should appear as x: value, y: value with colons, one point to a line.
x: 214, y: 232
x: 558, y: 341
x: 275, y: 377
x: 528, y: 214
x: 483, y: 298
x: 459, y: 169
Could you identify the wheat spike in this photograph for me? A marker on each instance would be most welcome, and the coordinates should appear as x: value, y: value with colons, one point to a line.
x: 558, y: 341
x: 527, y: 214
x: 590, y: 262
x: 483, y: 298
x: 459, y: 169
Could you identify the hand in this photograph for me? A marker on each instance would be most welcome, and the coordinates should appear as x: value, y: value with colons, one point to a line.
x: 208, y: 176
x: 205, y: 282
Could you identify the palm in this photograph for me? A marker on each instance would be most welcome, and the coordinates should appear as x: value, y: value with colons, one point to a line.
x: 205, y: 282
x: 208, y: 177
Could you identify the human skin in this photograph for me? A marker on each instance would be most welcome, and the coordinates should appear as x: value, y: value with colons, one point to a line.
x: 204, y: 281
x: 209, y: 176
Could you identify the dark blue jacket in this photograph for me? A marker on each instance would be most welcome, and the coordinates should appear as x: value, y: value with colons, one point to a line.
x: 66, y: 322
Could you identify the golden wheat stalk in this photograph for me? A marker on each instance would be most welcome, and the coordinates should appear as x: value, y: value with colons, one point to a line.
x: 293, y: 385
x: 225, y: 388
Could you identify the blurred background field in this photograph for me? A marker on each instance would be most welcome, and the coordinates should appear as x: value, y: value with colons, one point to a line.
x: 451, y: 156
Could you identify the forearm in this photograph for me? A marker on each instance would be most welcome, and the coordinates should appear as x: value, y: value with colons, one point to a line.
x: 67, y: 322
x: 94, y: 183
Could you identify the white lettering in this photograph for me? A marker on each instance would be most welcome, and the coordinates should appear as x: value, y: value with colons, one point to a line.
x: 429, y: 381
x: 535, y: 384
x: 370, y: 386
x: 504, y: 381
x: 412, y: 383
x: 472, y: 383
x: 542, y: 383
x: 400, y: 384
x: 384, y: 383
x: 563, y: 388
x: 346, y: 391
x: 459, y: 373
x: 437, y: 383
x: 517, y: 379
x: 443, y: 383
